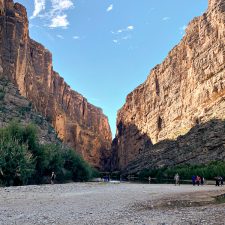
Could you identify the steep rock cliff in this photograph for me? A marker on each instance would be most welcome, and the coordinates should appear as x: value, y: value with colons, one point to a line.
x: 14, y: 107
x: 29, y: 65
x: 185, y: 91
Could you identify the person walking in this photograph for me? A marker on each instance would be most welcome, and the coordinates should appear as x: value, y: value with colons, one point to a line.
x: 177, y: 179
x: 149, y: 180
x: 198, y: 179
x: 217, y: 181
x: 53, y: 176
x: 193, y: 178
x: 202, y: 180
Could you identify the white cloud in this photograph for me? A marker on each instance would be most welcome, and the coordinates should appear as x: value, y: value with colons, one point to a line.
x: 127, y: 29
x: 39, y: 6
x: 59, y: 21
x: 126, y: 37
x: 122, y: 34
x: 76, y: 37
x: 58, y: 17
x: 60, y: 36
x: 110, y: 8
x: 61, y: 5
x: 166, y: 18
x: 183, y: 27
x: 130, y: 27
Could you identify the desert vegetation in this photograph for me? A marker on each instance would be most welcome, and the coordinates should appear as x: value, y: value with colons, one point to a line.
x: 25, y: 161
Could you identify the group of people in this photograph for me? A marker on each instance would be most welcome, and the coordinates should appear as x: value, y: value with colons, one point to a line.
x: 197, y: 180
x: 219, y: 181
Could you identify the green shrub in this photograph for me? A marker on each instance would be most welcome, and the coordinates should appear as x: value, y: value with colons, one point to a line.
x: 24, y: 161
x: 16, y: 162
x: 80, y: 170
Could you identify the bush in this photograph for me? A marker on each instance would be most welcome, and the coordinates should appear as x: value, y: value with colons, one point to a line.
x: 80, y: 170
x: 49, y: 158
x: 16, y: 162
x: 24, y: 161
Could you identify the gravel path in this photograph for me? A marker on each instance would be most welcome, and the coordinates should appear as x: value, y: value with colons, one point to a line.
x: 110, y: 204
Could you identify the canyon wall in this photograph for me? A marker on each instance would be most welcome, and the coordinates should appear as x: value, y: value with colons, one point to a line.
x: 183, y: 94
x: 28, y: 64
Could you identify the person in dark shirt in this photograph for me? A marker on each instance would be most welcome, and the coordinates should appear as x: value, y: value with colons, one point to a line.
x: 193, y: 178
x: 53, y: 176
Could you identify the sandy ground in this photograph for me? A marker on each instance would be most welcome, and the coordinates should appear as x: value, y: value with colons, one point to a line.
x: 111, y: 204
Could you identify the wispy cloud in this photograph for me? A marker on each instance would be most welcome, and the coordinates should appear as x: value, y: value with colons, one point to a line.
x: 126, y: 37
x: 59, y: 21
x: 166, y: 18
x: 76, y: 37
x: 60, y: 36
x: 56, y: 15
x: 183, y: 27
x: 61, y: 5
x: 110, y: 8
x: 130, y: 27
x: 127, y: 29
x: 122, y: 34
x: 39, y: 6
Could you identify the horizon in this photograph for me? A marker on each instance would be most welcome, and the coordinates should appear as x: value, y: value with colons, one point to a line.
x: 133, y: 50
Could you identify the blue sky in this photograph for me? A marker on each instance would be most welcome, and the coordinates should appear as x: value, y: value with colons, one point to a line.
x: 106, y: 48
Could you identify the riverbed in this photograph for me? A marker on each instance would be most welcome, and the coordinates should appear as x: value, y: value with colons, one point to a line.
x: 111, y: 204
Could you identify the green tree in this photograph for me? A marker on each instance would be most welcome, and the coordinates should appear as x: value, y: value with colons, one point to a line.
x: 16, y: 162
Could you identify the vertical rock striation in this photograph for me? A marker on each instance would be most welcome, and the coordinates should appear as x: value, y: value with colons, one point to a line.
x: 28, y: 64
x: 185, y: 91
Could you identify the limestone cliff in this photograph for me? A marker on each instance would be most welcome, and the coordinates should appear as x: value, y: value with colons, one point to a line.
x: 29, y: 65
x: 187, y: 90
x: 14, y: 107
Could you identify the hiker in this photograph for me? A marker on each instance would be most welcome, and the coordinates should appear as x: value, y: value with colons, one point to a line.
x: 202, y: 180
x: 177, y: 179
x: 149, y: 180
x: 53, y: 176
x: 193, y: 178
x: 217, y: 181
x: 221, y: 181
x: 198, y: 179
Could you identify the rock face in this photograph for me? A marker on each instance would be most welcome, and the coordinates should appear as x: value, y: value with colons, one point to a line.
x: 29, y: 65
x: 13, y: 106
x: 187, y: 90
